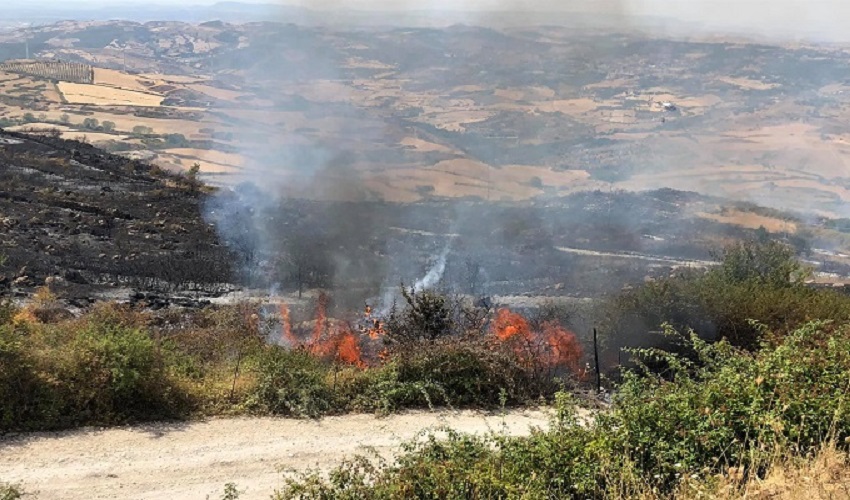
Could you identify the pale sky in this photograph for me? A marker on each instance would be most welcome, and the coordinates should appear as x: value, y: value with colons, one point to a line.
x: 827, y: 19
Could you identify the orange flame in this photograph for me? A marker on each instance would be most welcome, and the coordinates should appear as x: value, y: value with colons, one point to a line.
x: 333, y: 340
x: 564, y: 347
x: 340, y: 344
x: 508, y: 325
x: 286, y: 325
x: 348, y: 347
x: 375, y: 327
x: 555, y: 345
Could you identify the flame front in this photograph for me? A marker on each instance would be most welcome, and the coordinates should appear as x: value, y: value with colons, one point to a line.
x: 551, y: 343
x: 556, y: 346
x: 328, y: 339
x: 321, y: 319
x: 374, y: 327
x: 508, y: 325
x: 286, y: 325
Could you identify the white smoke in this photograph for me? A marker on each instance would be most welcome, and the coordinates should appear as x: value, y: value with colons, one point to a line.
x: 431, y: 279
x: 435, y: 274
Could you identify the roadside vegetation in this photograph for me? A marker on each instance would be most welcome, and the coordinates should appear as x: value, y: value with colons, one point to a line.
x: 116, y: 364
x: 10, y: 491
x: 747, y: 380
x: 754, y: 404
x: 713, y: 424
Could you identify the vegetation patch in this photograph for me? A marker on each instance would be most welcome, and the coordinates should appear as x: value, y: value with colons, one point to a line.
x: 719, y: 413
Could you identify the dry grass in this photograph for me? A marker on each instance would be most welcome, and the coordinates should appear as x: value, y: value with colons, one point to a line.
x: 464, y: 177
x: 69, y: 133
x: 170, y: 161
x: 122, y: 80
x: 174, y: 78
x: 424, y: 146
x: 359, y: 62
x: 751, y: 220
x: 221, y: 158
x: 38, y: 127
x: 455, y: 119
x: 126, y: 122
x: 91, y: 137
x: 570, y: 106
x: 215, y: 92
x: 52, y: 94
x: 99, y: 95
x: 823, y: 477
x: 747, y: 83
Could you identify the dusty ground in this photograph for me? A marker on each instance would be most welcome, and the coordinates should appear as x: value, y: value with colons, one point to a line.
x: 195, y: 460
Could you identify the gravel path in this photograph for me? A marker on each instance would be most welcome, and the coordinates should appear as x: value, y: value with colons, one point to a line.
x: 194, y: 460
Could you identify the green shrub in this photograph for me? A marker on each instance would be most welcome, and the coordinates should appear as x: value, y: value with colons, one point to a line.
x: 716, y: 407
x: 456, y: 372
x: 465, y: 372
x: 112, y: 374
x: 7, y: 312
x: 759, y: 281
x: 426, y: 316
x: 291, y: 382
x: 28, y: 401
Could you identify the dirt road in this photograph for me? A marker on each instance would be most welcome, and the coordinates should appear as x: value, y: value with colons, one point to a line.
x: 194, y: 460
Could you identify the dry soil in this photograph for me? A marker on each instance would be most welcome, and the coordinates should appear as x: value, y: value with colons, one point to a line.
x: 195, y: 460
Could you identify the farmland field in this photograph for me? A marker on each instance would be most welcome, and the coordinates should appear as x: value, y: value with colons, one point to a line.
x: 411, y: 121
x: 100, y: 95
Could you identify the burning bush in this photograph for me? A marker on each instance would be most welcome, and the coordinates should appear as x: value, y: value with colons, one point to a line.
x: 552, y: 348
x: 330, y: 339
x: 118, y: 364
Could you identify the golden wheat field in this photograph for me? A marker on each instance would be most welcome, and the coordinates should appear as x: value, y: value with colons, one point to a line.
x: 99, y: 95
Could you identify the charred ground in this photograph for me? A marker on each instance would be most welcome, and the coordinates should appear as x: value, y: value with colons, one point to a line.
x: 91, y: 220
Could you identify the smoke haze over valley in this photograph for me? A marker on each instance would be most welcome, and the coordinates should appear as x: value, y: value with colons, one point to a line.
x: 316, y: 207
x: 363, y: 145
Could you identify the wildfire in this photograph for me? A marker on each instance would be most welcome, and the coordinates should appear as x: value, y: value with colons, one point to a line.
x: 374, y: 327
x: 328, y: 339
x: 508, y: 325
x: 564, y: 347
x: 321, y: 318
x: 555, y: 344
x: 347, y: 346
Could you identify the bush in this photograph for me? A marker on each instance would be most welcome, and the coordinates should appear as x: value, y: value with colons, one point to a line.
x: 10, y: 492
x: 292, y: 383
x: 113, y: 374
x: 718, y: 408
x: 451, y: 373
x: 117, y: 364
x: 82, y: 372
x: 29, y: 403
x: 426, y: 316
x: 759, y: 281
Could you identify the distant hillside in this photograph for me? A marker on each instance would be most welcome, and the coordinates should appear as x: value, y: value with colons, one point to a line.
x: 465, y: 112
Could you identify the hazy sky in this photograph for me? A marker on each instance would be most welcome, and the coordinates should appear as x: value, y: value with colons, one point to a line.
x: 825, y: 19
